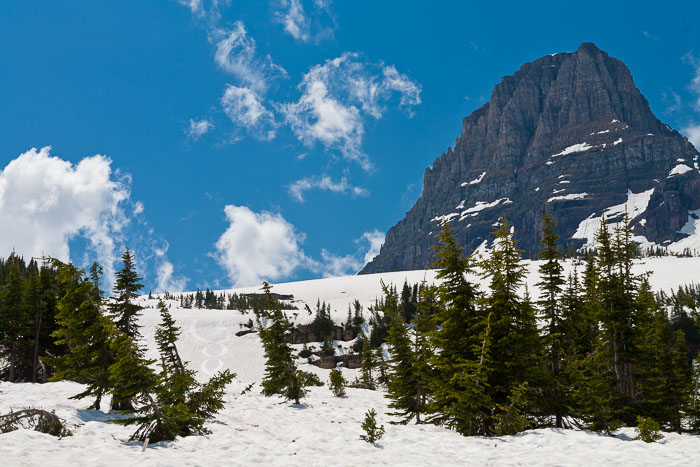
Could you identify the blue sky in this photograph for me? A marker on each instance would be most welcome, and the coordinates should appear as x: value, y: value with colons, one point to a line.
x: 241, y: 141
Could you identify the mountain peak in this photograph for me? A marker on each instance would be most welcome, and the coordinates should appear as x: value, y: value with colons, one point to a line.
x: 571, y: 130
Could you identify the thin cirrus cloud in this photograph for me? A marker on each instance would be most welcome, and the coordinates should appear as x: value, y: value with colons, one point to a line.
x: 292, y: 16
x: 312, y: 23
x: 47, y: 202
x: 198, y: 128
x: 324, y: 183
x: 259, y: 246
x: 338, y: 96
x: 692, y: 129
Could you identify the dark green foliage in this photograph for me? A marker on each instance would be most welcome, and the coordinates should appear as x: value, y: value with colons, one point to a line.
x: 510, y: 418
x: 281, y: 374
x: 322, y: 325
x: 408, y: 377
x: 327, y: 349
x: 15, y: 323
x: 337, y: 382
x: 460, y: 342
x: 515, y: 345
x: 307, y: 379
x: 551, y: 286
x: 305, y: 352
x: 123, y: 307
x: 373, y: 433
x: 648, y: 430
x: 28, y: 295
x: 85, y: 332
x: 368, y: 363
x: 130, y: 374
x: 125, y: 313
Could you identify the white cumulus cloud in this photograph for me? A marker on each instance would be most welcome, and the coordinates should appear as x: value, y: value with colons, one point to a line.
x: 336, y: 98
x: 324, y: 183
x: 258, y: 246
x: 45, y: 202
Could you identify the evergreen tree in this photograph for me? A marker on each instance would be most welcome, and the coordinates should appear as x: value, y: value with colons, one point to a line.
x: 460, y: 344
x: 373, y: 433
x: 84, y: 332
x: 123, y: 306
x: 281, y: 374
x: 337, y: 382
x: 14, y: 320
x: 405, y: 385
x: 368, y: 362
x: 514, y: 334
x: 551, y: 284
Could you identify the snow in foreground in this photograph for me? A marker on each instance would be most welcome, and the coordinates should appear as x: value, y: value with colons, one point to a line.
x: 253, y: 429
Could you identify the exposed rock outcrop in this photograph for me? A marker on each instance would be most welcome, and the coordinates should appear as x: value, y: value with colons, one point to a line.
x: 571, y: 129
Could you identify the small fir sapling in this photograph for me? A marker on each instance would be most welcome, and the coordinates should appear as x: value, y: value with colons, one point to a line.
x: 337, y: 383
x: 373, y: 433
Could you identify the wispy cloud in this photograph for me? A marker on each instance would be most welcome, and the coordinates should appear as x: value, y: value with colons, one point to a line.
x: 692, y: 129
x: 649, y: 35
x: 368, y: 246
x: 305, y: 24
x: 694, y: 84
x: 336, y: 98
x: 672, y: 101
x: 692, y: 132
x: 324, y: 183
x: 295, y: 22
x: 244, y: 107
x: 198, y: 128
x: 236, y: 54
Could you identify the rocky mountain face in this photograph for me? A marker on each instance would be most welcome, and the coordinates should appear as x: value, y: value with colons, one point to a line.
x: 571, y: 130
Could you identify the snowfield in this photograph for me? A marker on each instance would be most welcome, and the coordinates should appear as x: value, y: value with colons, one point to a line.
x: 325, y: 430
x: 253, y: 429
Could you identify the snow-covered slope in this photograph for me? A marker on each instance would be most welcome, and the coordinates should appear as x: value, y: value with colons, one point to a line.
x: 253, y: 429
x: 256, y: 430
x: 208, y: 336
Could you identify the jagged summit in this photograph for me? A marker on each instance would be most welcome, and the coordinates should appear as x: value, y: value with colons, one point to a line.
x: 571, y: 129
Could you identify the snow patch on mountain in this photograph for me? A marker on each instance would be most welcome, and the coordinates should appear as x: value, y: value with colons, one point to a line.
x: 635, y: 205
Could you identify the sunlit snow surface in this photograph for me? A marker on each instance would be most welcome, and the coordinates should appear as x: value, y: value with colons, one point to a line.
x: 253, y: 429
x: 635, y: 205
